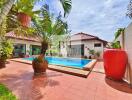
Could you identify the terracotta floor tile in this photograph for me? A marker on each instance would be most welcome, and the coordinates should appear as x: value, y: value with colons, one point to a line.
x: 59, y: 86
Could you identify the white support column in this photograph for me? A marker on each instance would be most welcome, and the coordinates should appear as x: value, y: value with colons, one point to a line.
x: 27, y: 49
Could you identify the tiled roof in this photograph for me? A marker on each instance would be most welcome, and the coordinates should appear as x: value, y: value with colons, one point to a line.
x: 84, y: 36
x: 28, y: 38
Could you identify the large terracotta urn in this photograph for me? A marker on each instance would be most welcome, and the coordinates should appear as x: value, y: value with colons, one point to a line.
x: 24, y: 19
x: 115, y: 61
x: 39, y: 65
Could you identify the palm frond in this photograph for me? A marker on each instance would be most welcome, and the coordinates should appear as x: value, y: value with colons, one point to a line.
x: 67, y: 5
x: 48, y: 26
x: 119, y: 32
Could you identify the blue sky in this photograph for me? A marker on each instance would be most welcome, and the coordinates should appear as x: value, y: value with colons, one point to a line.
x: 95, y: 17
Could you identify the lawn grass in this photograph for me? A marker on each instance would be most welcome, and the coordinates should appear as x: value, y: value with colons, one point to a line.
x: 6, y: 94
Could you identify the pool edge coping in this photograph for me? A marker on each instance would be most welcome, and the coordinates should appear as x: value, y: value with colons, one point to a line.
x: 86, y: 69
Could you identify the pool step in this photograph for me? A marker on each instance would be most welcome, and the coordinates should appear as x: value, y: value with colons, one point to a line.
x: 68, y: 70
x: 90, y: 65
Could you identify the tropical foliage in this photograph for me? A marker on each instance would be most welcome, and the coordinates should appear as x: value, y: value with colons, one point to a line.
x: 5, y: 6
x: 6, y: 46
x: 3, y: 28
x: 13, y: 24
x: 119, y: 32
x: 2, y: 2
x: 6, y: 49
x: 95, y: 54
x: 6, y: 94
x: 47, y: 27
x: 26, y: 6
x: 66, y: 6
x: 116, y: 45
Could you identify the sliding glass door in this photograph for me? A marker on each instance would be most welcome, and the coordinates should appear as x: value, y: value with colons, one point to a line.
x: 19, y: 50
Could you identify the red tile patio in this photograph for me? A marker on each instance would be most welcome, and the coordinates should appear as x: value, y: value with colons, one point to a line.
x: 59, y: 86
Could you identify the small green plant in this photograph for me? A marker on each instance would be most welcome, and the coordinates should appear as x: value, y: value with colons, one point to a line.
x: 97, y: 54
x: 116, y: 45
x: 38, y: 59
x: 92, y: 52
x: 6, y: 94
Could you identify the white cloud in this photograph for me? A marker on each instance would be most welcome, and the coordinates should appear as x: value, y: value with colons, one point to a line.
x: 98, y: 17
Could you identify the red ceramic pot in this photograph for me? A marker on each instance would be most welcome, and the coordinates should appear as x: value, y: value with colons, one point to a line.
x: 24, y: 19
x: 115, y: 61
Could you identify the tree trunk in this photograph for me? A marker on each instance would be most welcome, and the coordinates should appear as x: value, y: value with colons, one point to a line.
x: 44, y: 47
x: 5, y: 9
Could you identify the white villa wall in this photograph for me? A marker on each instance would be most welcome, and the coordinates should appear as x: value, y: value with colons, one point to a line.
x: 127, y: 41
x: 90, y: 45
x: 128, y: 48
x: 87, y: 44
x: 28, y: 43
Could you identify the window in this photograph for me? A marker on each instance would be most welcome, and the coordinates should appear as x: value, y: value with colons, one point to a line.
x: 97, y: 45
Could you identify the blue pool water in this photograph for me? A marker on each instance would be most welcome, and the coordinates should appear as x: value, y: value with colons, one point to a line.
x: 76, y: 63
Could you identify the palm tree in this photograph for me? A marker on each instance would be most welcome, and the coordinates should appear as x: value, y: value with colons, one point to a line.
x: 47, y: 28
x: 119, y: 32
x: 5, y: 9
x: 66, y: 6
x: 9, y: 3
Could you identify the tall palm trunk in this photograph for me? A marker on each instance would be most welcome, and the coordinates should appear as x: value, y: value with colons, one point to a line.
x: 5, y: 9
x: 44, y: 47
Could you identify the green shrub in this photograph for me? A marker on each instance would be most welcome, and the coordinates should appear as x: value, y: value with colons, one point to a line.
x: 6, y: 49
x: 6, y: 94
x: 97, y: 54
x: 116, y: 45
x: 92, y: 52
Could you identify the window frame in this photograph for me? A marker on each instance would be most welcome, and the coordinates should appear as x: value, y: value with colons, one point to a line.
x: 97, y: 45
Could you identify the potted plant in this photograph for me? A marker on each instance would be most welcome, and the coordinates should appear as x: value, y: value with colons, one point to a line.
x: 47, y: 26
x: 6, y: 49
x: 115, y: 60
x: 24, y: 19
x: 92, y: 54
x: 24, y: 11
x: 39, y: 65
x: 97, y: 54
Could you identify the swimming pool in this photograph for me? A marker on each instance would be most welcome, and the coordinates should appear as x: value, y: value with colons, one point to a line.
x: 70, y: 62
